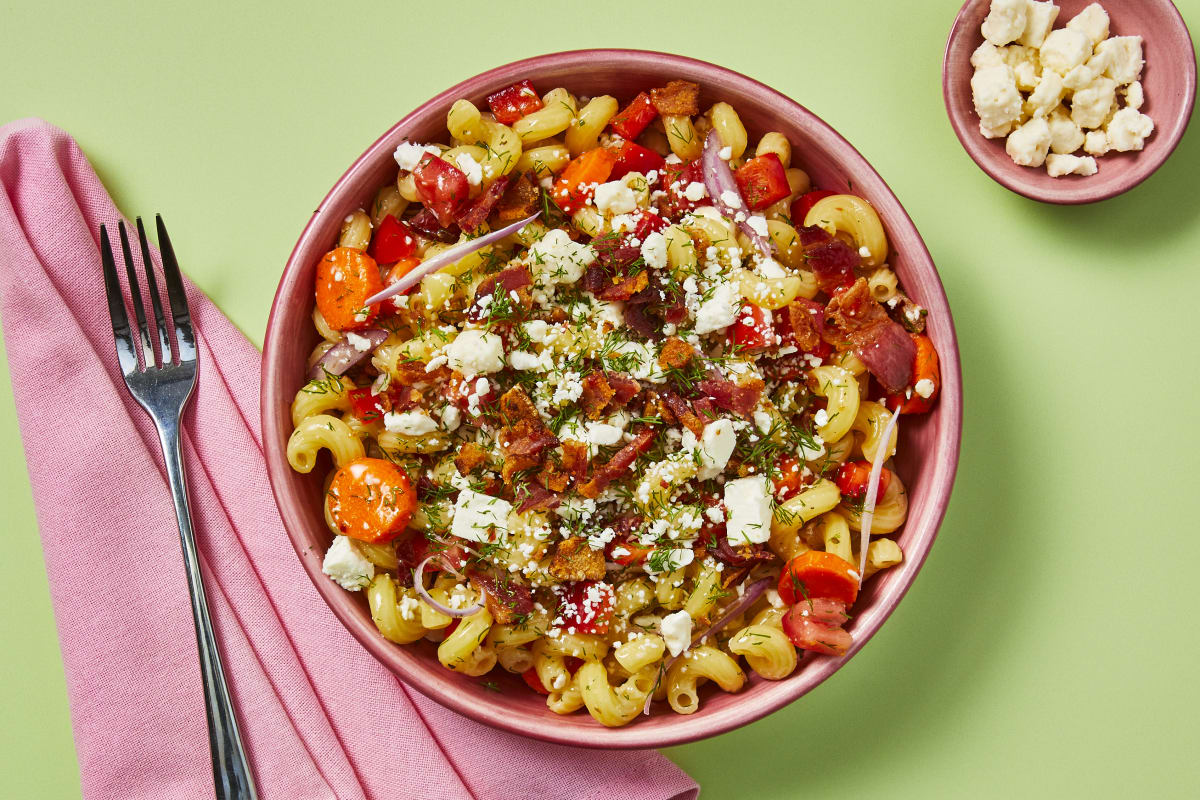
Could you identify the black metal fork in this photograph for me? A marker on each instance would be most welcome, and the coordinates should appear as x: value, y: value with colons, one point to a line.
x: 162, y: 383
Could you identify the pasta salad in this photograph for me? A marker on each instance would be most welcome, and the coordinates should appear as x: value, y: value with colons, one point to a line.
x: 610, y: 397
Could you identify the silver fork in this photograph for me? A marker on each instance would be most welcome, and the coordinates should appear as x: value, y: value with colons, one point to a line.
x: 162, y: 385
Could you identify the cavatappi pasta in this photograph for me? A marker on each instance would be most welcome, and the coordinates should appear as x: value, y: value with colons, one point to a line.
x: 571, y: 453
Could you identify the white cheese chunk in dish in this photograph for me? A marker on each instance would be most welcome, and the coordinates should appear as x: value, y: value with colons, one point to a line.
x: 615, y: 197
x: 1095, y: 143
x: 1124, y: 55
x: 1064, y: 49
x: 409, y: 423
x: 1005, y: 21
x: 1040, y: 20
x: 346, y: 565
x: 1092, y: 22
x: 1028, y: 144
x: 1128, y: 130
x: 475, y: 352
x: 997, y: 100
x: 748, y: 501
x: 1090, y: 105
x: 1058, y: 165
x: 1065, y: 135
x: 676, y: 631
x: 720, y: 310
x: 478, y: 517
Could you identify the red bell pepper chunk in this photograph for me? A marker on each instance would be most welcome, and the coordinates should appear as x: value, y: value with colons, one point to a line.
x: 532, y: 680
x: 509, y: 105
x: 626, y: 551
x: 678, y: 179
x: 790, y: 480
x: 632, y: 157
x: 458, y: 390
x: 633, y: 119
x: 393, y: 240
x: 443, y: 188
x: 753, y: 329
x: 366, y: 406
x: 804, y: 203
x: 925, y: 368
x: 587, y: 606
x: 854, y: 476
x: 762, y: 181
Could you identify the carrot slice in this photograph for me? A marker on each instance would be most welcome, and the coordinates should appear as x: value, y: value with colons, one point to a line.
x: 346, y: 277
x: 818, y: 574
x: 574, y: 187
x: 371, y: 499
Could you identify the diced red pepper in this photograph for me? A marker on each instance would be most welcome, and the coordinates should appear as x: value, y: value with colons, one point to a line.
x: 678, y: 178
x: 925, y: 367
x: 648, y: 223
x: 443, y: 188
x: 509, y: 105
x: 854, y: 476
x: 458, y: 390
x: 626, y: 551
x: 804, y: 203
x: 393, y: 240
x: 578, y: 180
x: 366, y: 406
x: 587, y: 606
x: 753, y: 329
x: 762, y: 181
x: 789, y: 481
x: 633, y: 119
x: 632, y: 157
x: 532, y: 680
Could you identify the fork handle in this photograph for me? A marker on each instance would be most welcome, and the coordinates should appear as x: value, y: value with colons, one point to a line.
x: 231, y: 770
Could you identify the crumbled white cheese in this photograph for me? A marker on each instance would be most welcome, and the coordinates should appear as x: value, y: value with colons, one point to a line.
x: 477, y: 515
x: 1128, y: 130
x: 1090, y: 105
x: 997, y: 101
x: 555, y: 259
x: 475, y: 352
x: 731, y: 198
x: 1124, y: 54
x: 1095, y: 143
x: 615, y: 197
x: 346, y: 565
x: 409, y: 423
x: 1028, y: 144
x: 673, y: 558
x: 676, y: 630
x: 1046, y: 95
x: 470, y: 167
x: 1005, y: 21
x: 720, y: 310
x: 603, y: 434
x: 1135, y: 96
x: 924, y: 387
x: 360, y: 343
x: 1057, y: 165
x: 716, y: 445
x: 748, y: 501
x: 695, y: 191
x: 409, y: 154
x: 725, y: 153
x: 451, y: 418
x: 524, y: 361
x: 1040, y: 20
x: 1064, y: 49
x: 654, y: 250
x: 1065, y: 135
x: 1092, y: 22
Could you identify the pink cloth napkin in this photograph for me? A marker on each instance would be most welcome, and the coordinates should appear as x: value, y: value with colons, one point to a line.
x: 322, y: 719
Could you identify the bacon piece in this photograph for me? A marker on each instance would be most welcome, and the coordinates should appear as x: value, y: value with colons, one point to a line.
x: 655, y: 407
x: 741, y: 555
x: 535, y: 497
x: 906, y: 312
x: 506, y: 598
x: 675, y: 353
x: 832, y: 263
x: 636, y: 318
x: 597, y: 394
x: 553, y: 477
x: 810, y: 235
x: 625, y: 287
x: 469, y: 457
x: 426, y: 224
x: 705, y: 409
x: 677, y: 99
x: 624, y: 388
x: 683, y: 412
x: 521, y: 199
x: 615, y: 252
x: 740, y: 399
x: 621, y: 461
x: 525, y: 438
x: 575, y: 560
x: 575, y: 458
x: 807, y: 318
x: 856, y: 321
x: 480, y: 209
x: 511, y: 279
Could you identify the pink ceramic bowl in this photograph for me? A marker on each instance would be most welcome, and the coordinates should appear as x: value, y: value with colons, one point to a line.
x: 929, y: 453
x: 1169, y: 80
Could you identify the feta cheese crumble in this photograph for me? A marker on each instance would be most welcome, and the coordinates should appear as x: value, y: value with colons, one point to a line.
x: 748, y: 501
x: 346, y: 565
x: 676, y: 631
x: 478, y: 517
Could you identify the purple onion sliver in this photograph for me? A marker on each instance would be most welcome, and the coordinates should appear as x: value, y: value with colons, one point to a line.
x: 343, y: 355
x: 456, y: 253
x: 718, y: 179
x: 419, y: 585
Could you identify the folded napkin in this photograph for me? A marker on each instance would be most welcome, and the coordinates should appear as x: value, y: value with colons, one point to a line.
x: 321, y: 718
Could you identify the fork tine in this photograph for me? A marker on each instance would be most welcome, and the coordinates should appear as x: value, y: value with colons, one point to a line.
x: 135, y: 291
x: 164, y: 336
x: 126, y: 355
x: 176, y: 295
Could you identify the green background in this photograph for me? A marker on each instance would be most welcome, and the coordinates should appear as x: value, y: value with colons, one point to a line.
x: 1049, y: 648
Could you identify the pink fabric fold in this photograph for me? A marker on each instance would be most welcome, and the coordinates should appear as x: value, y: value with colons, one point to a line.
x: 322, y: 718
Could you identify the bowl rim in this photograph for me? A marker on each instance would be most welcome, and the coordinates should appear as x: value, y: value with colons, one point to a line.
x: 945, y: 450
x: 1066, y: 193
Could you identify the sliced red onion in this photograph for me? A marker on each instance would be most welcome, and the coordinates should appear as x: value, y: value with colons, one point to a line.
x: 868, y: 515
x: 419, y: 585
x: 456, y: 253
x: 343, y: 355
x: 718, y: 179
x: 752, y: 593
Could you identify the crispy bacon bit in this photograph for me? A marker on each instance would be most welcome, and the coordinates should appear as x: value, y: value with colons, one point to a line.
x: 525, y: 438
x: 807, y: 318
x: 618, y: 464
x: 575, y: 458
x: 675, y: 353
x: 480, y: 209
x: 511, y: 279
x: 597, y: 394
x: 624, y: 389
x: 683, y: 412
x: 470, y: 456
x: 908, y: 313
x: 623, y: 288
x: 409, y: 372
x: 554, y: 477
x: 427, y: 225
x: 638, y: 320
x: 677, y: 99
x: 506, y: 599
x: 535, y: 497
x: 520, y: 200
x: 654, y: 407
x: 742, y: 555
x: 615, y: 252
x: 705, y: 409
x: 855, y: 320
x: 831, y: 260
x: 740, y: 399
x: 574, y: 560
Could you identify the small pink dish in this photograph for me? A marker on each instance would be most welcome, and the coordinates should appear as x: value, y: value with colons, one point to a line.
x: 1169, y: 80
x: 930, y: 446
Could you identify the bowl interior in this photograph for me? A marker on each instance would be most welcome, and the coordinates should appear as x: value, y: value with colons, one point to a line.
x: 1169, y: 80
x: 930, y: 443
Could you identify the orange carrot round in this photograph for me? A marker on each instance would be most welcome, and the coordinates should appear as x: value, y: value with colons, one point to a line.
x: 346, y: 277
x: 371, y: 499
x: 816, y: 574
